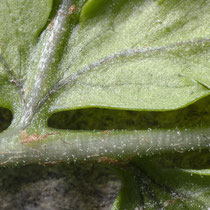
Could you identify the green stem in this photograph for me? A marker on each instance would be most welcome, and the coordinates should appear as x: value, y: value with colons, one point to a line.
x: 58, y: 145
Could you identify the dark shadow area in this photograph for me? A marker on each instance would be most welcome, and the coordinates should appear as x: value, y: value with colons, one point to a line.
x: 61, y: 186
x: 196, y: 160
x: 5, y: 118
x: 195, y: 115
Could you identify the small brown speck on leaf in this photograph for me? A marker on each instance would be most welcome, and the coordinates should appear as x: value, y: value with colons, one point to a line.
x: 107, y: 160
x: 50, y: 25
x: 72, y: 9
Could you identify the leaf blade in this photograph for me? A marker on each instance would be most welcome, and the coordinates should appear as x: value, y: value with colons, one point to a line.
x: 108, y: 36
x: 20, y: 24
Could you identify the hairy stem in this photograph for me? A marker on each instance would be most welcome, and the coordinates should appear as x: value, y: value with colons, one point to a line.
x: 73, y: 146
x: 52, y: 37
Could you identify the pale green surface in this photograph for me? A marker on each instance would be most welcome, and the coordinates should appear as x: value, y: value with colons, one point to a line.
x: 20, y: 24
x: 160, y: 80
x: 169, y: 71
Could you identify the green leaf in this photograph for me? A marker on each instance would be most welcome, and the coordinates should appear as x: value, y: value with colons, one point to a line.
x: 20, y: 25
x: 139, y: 55
x: 151, y: 186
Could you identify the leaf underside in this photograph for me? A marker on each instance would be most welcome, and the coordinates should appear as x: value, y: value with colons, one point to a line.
x: 116, y: 54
